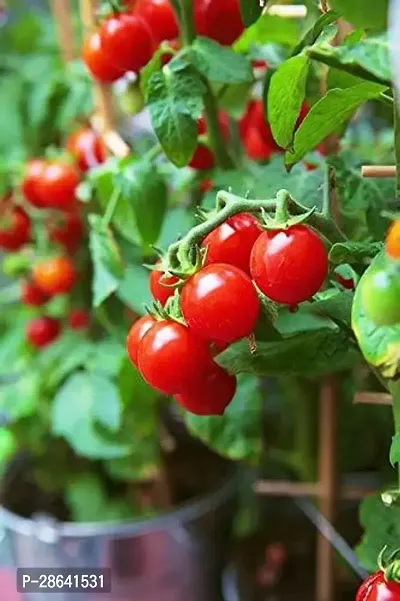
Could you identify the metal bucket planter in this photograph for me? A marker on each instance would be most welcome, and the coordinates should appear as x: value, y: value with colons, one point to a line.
x: 179, y: 556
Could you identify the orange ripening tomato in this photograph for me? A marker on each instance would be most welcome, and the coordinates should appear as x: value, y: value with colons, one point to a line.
x: 392, y: 244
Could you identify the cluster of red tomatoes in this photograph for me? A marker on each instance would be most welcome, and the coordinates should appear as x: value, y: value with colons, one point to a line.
x: 220, y: 305
x: 126, y: 41
x: 49, y: 186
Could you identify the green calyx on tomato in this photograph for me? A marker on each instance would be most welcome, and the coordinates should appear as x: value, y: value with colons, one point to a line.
x: 380, y: 294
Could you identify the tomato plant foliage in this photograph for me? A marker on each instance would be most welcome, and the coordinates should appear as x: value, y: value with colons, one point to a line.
x: 281, y: 118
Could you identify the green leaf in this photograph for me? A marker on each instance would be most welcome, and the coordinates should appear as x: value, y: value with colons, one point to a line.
x: 374, y: 16
x: 177, y: 222
x: 395, y: 450
x: 175, y: 101
x: 379, y: 345
x: 368, y: 58
x: 269, y: 28
x: 382, y: 529
x: 312, y: 35
x: 219, y: 63
x: 107, y: 263
x: 309, y: 353
x: 103, y: 179
x: 106, y: 357
x: 88, y: 501
x: 251, y: 11
x: 236, y: 434
x: 361, y: 200
x: 84, y: 399
x: 153, y: 66
x: 134, y: 290
x: 286, y: 94
x: 327, y: 115
x: 21, y: 398
x: 335, y: 304
x: 354, y: 252
x: 145, y: 190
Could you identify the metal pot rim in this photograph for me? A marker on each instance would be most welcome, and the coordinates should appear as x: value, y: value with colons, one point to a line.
x: 193, y: 509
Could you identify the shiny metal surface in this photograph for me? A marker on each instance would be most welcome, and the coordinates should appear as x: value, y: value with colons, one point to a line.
x: 180, y: 556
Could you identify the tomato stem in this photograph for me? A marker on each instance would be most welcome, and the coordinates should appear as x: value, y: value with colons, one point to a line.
x: 183, y: 256
x: 187, y: 22
x: 112, y: 205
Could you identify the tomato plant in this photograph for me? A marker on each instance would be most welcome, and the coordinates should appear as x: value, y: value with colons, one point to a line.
x: 289, y: 266
x: 219, y: 303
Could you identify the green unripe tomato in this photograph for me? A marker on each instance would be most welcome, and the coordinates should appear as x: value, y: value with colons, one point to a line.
x: 131, y: 99
x: 16, y: 264
x: 380, y: 294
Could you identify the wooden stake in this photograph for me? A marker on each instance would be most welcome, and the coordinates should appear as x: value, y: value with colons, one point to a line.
x: 378, y: 171
x: 101, y: 92
x: 372, y: 398
x: 327, y: 485
x: 62, y: 20
x: 283, y: 488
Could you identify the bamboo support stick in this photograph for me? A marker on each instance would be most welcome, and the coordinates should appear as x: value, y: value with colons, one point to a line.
x: 104, y: 123
x: 378, y: 171
x: 290, y: 11
x: 63, y: 22
x: 283, y: 488
x: 327, y: 485
x: 372, y: 398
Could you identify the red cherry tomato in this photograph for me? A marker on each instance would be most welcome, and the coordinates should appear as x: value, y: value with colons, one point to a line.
x: 58, y: 185
x: 31, y: 183
x: 55, y: 276
x: 15, y: 228
x: 127, y: 41
x: 161, y: 288
x: 206, y: 185
x: 68, y: 232
x: 289, y: 266
x: 96, y: 61
x: 87, y: 148
x: 171, y: 358
x: 43, y: 331
x: 210, y: 396
x: 219, y: 20
x: 219, y: 303
x: 377, y: 588
x: 255, y: 146
x: 135, y: 336
x: 78, y: 319
x: 232, y: 241
x: 32, y: 295
x: 160, y: 17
